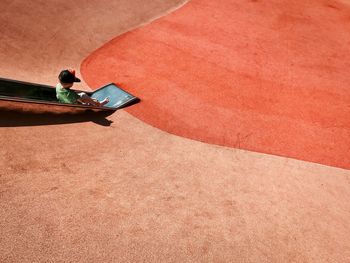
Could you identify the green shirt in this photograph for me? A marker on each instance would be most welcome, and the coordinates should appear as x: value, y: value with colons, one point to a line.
x: 66, y: 95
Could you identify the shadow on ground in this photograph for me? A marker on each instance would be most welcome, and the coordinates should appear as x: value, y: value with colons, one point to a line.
x: 11, y: 118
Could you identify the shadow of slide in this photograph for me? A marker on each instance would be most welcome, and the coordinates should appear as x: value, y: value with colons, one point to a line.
x: 12, y: 118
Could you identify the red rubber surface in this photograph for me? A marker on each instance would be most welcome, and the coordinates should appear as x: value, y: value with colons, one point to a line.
x: 90, y: 189
x: 266, y: 76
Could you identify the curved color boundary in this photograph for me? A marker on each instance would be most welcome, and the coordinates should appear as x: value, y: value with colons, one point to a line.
x: 270, y: 77
x: 91, y: 189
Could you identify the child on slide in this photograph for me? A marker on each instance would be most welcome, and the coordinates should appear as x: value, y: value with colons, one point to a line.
x: 65, y: 95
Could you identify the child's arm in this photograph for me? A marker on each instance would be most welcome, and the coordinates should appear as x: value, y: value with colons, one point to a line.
x: 84, y: 98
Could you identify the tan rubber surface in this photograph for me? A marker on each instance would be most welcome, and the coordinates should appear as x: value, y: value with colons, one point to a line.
x: 119, y: 190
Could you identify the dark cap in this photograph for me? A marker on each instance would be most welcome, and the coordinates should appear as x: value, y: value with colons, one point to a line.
x: 68, y: 76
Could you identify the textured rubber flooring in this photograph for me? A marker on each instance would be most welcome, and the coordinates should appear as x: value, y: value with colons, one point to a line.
x: 266, y: 76
x: 115, y: 189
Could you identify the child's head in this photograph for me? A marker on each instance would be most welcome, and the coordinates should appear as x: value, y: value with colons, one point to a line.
x: 67, y: 78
